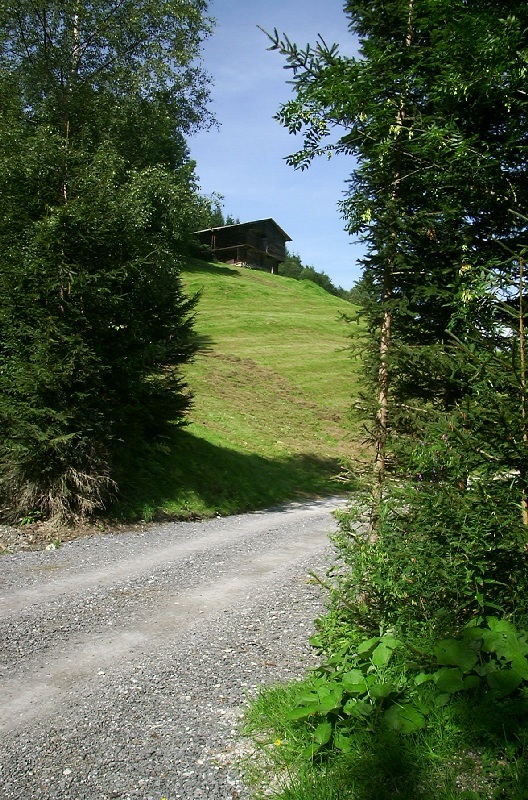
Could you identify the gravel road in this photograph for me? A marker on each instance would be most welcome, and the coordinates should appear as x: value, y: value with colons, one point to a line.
x: 126, y: 659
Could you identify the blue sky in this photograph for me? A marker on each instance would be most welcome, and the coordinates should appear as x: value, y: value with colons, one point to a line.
x: 244, y: 159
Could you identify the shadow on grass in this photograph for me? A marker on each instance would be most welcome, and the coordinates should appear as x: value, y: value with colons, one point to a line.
x: 496, y: 733
x: 189, y: 477
x: 383, y: 768
x: 196, y: 266
x: 204, y: 343
x: 478, y: 750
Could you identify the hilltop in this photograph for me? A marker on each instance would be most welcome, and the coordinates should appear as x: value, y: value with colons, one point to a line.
x: 273, y: 383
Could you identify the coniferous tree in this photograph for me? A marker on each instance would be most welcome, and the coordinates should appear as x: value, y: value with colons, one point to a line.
x: 433, y: 109
x: 292, y: 266
x: 98, y: 204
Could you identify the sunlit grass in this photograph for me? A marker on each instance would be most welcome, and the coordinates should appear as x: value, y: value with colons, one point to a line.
x: 275, y: 371
x: 273, y: 383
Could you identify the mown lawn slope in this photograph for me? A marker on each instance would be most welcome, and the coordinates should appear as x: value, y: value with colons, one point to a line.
x: 273, y: 383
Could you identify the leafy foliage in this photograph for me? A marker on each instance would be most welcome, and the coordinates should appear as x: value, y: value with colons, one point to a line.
x: 434, y: 110
x: 439, y: 170
x: 442, y: 555
x: 292, y: 267
x: 386, y: 682
x: 446, y: 722
x: 98, y: 204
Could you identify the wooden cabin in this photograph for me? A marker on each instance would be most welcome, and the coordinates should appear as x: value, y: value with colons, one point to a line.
x: 260, y: 244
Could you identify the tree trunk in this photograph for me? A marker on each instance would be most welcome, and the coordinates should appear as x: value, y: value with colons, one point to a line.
x: 76, y: 56
x: 522, y: 346
x: 382, y: 413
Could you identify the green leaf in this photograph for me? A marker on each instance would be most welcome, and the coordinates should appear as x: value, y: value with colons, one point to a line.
x: 326, y: 699
x: 505, y: 644
x: 368, y: 645
x: 358, y: 708
x: 343, y: 742
x: 485, y: 669
x: 306, y: 698
x: 449, y: 680
x: 423, y: 677
x: 404, y: 718
x: 458, y: 653
x: 323, y: 733
x: 301, y: 712
x: 491, y: 641
x: 329, y: 702
x: 311, y: 750
x: 504, y: 681
x: 383, y: 652
x: 520, y: 665
x: 442, y: 700
x: 391, y: 641
x: 423, y: 706
x: 354, y: 682
x: 501, y: 625
x: 471, y: 682
x: 381, y: 690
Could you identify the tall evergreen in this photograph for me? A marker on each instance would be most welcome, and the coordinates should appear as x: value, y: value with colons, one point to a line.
x: 433, y: 109
x: 97, y: 207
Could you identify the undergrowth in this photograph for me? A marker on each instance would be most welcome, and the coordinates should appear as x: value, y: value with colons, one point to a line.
x: 371, y: 725
x: 422, y: 690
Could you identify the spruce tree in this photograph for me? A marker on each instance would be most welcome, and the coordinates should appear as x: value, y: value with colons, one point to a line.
x: 98, y: 204
x: 433, y: 110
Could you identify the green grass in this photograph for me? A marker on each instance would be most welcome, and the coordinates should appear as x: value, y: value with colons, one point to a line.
x: 273, y: 383
x: 470, y: 750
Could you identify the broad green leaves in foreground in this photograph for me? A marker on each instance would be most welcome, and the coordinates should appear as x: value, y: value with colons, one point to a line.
x: 389, y: 684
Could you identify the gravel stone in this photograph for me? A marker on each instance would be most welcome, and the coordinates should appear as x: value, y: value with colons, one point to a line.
x: 127, y: 659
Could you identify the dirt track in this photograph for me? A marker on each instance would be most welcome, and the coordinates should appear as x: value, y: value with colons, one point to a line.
x: 111, y: 642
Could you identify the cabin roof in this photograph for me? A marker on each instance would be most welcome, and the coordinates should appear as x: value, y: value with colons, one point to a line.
x: 247, y: 225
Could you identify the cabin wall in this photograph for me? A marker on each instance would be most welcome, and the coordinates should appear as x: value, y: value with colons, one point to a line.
x: 275, y: 242
x: 261, y: 245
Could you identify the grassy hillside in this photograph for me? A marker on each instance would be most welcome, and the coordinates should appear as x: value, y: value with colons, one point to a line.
x: 272, y: 385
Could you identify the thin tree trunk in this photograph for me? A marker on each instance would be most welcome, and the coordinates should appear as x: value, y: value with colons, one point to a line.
x: 522, y: 345
x: 76, y: 55
x: 382, y: 414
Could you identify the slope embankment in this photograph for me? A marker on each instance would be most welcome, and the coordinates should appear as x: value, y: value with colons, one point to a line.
x: 273, y: 384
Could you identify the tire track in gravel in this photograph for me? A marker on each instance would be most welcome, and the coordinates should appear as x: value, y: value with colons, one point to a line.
x: 79, y: 622
x: 38, y: 687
